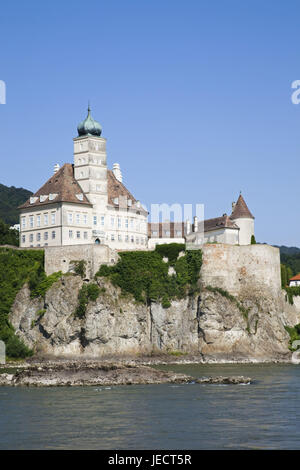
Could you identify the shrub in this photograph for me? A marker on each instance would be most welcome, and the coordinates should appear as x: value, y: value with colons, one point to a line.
x: 16, y: 267
x: 87, y: 292
x: 170, y: 251
x: 80, y: 268
x: 144, y: 274
x: 253, y: 241
x: 291, y: 292
x: 294, y: 333
x: 39, y: 284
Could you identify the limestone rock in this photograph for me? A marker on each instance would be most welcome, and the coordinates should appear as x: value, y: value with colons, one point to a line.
x: 209, y: 326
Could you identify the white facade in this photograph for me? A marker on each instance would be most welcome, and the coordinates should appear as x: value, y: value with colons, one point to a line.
x: 246, y: 230
x: 119, y: 222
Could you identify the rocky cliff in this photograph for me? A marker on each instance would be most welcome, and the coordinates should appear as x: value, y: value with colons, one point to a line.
x: 213, y: 325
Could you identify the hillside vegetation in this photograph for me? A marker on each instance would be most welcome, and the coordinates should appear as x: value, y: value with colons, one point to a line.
x: 16, y: 268
x: 145, y: 274
x: 10, y: 199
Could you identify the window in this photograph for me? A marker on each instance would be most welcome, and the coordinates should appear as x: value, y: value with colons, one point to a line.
x: 154, y: 233
x: 137, y: 227
x: 38, y: 220
x: 53, y: 234
x: 70, y: 217
x: 137, y: 240
x: 112, y: 221
x: 38, y: 237
x: 98, y: 187
x: 46, y: 236
x: 126, y: 238
x: 31, y: 237
x: 119, y: 238
x: 77, y: 218
x: 84, y: 219
x: 95, y: 220
x: 178, y: 233
x: 70, y: 233
x: 112, y: 237
x: 85, y: 235
x: 119, y: 222
x: 23, y: 238
x: 52, y: 218
x: 131, y: 223
x: 77, y: 234
x: 167, y: 233
x: 31, y: 221
x: 45, y: 219
x: 126, y: 223
x: 102, y: 219
x: 132, y: 239
x: 23, y: 222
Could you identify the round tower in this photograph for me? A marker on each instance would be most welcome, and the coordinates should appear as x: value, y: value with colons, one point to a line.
x: 243, y: 218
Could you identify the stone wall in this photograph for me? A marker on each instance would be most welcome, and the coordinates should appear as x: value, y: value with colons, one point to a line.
x: 236, y: 268
x: 59, y: 258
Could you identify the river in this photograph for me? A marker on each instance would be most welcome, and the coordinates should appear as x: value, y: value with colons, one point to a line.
x: 263, y: 415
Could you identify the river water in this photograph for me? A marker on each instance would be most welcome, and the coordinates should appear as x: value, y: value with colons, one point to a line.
x: 263, y: 415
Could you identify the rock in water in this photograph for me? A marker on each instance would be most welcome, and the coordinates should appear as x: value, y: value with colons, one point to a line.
x: 233, y: 380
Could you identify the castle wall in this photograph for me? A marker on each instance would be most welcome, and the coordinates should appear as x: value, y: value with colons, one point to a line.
x: 236, y: 268
x: 59, y: 258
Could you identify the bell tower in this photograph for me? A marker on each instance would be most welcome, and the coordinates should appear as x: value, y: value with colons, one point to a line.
x: 90, y: 166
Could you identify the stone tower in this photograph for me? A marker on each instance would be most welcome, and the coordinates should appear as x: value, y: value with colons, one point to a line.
x: 90, y: 170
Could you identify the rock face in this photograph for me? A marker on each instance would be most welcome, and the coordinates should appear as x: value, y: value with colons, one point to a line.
x: 210, y: 326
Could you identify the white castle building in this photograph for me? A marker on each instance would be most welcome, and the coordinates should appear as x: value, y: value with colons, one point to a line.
x: 86, y: 203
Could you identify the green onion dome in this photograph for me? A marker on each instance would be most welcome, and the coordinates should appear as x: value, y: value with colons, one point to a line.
x: 89, y: 126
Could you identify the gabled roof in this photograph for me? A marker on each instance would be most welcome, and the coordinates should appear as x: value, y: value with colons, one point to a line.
x: 240, y: 210
x: 62, y: 186
x: 295, y: 278
x: 115, y: 189
x: 219, y: 222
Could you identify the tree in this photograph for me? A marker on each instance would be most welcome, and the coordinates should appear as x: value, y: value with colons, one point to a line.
x: 253, y: 241
x: 8, y: 236
x: 283, y: 276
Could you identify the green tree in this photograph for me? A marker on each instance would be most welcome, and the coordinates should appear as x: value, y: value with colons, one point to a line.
x: 8, y: 236
x: 283, y: 276
x: 253, y: 241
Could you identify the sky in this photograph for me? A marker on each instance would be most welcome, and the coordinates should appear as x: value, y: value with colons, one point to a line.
x: 194, y: 99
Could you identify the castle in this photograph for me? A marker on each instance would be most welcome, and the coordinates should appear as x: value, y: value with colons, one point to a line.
x: 85, y: 203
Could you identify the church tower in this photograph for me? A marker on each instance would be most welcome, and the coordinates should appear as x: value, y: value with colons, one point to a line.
x: 90, y: 170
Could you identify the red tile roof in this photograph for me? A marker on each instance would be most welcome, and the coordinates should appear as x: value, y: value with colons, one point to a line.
x: 61, y: 183
x: 295, y: 278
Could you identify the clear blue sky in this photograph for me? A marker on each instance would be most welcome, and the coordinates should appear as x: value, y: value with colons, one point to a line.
x: 194, y: 99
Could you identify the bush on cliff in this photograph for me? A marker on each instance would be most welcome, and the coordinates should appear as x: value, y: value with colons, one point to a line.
x: 16, y: 267
x: 87, y: 292
x: 144, y: 274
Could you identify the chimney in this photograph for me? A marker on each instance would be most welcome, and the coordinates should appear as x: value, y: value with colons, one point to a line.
x: 233, y: 205
x: 56, y: 168
x: 117, y: 172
